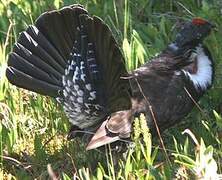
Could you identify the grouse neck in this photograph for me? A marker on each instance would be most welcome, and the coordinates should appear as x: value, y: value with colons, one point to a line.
x: 202, y: 74
x: 180, y: 48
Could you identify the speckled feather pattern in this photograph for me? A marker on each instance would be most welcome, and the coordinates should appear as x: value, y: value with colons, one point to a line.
x: 72, y: 56
x: 80, y: 96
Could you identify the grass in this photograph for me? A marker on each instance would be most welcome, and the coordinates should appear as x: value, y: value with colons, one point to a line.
x: 33, y: 128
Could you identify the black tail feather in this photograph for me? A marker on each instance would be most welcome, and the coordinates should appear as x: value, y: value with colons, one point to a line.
x: 26, y: 67
x: 28, y: 82
x: 29, y: 43
x: 45, y: 44
x: 61, y: 38
x: 36, y: 61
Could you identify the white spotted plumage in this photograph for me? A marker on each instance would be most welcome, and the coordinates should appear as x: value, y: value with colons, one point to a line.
x: 93, y: 94
x: 76, y: 87
x: 80, y: 100
x: 88, y: 87
x: 79, y: 94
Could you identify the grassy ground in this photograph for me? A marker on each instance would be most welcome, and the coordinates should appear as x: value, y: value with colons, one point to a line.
x: 33, y: 128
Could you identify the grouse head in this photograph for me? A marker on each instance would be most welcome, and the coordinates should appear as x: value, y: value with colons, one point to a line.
x: 193, y: 32
x: 195, y: 60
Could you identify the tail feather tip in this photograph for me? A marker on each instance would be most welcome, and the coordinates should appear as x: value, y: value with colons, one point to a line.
x: 101, y: 138
x: 95, y: 143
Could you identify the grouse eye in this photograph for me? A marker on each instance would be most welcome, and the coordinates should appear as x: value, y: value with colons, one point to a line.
x: 199, y: 21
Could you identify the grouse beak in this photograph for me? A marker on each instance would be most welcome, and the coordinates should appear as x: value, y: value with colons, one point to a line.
x: 101, y: 138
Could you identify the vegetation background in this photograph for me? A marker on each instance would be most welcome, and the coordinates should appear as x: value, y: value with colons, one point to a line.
x: 33, y: 128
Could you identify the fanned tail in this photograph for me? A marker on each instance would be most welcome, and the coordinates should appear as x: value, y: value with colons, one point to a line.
x: 74, y: 58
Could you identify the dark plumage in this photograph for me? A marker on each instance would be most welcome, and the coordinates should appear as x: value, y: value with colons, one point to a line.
x: 74, y: 58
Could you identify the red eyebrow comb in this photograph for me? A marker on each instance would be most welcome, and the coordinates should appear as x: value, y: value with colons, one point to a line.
x: 199, y: 21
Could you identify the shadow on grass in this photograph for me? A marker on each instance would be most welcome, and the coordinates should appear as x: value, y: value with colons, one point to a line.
x: 63, y: 157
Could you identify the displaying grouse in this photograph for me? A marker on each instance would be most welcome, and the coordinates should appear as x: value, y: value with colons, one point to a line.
x: 73, y: 57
